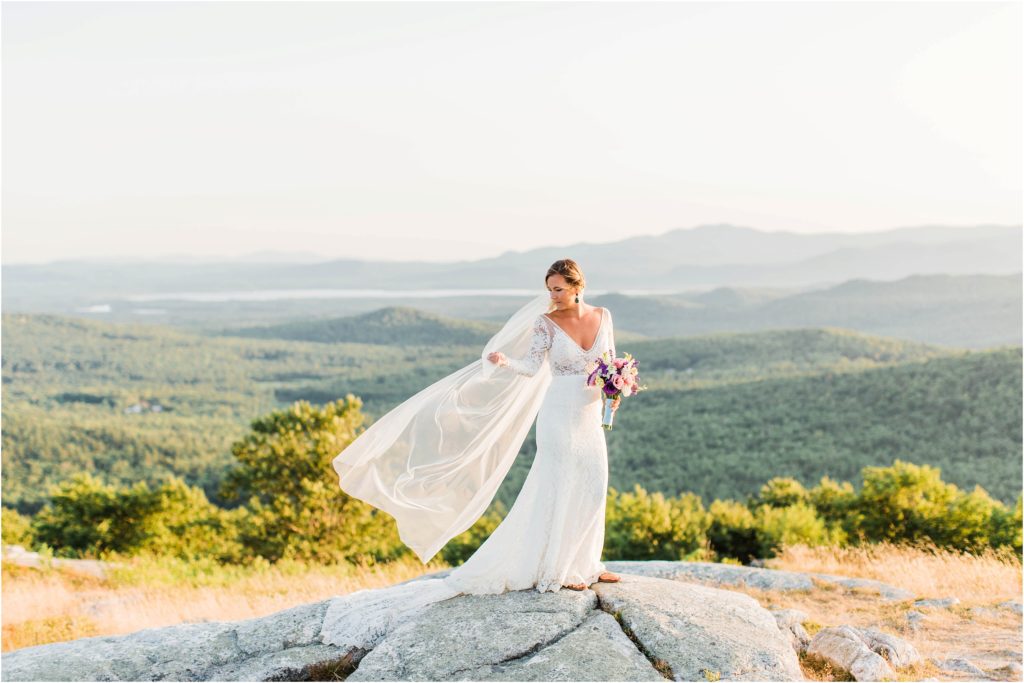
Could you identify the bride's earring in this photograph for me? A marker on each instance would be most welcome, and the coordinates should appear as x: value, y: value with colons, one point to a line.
x: 577, y: 297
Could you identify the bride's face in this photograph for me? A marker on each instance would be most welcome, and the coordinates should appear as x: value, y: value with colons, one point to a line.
x: 562, y: 294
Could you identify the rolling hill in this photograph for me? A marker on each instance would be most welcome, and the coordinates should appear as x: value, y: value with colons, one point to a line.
x: 395, y: 325
x: 724, y: 412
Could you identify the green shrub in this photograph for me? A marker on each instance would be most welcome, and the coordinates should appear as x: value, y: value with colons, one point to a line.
x: 969, y: 524
x: 16, y: 528
x: 908, y: 502
x: 905, y: 502
x: 1006, y: 527
x: 782, y: 526
x: 88, y: 518
x: 733, y: 532
x: 836, y: 503
x: 186, y: 525
x: 783, y: 492
x: 644, y: 526
x: 296, y: 509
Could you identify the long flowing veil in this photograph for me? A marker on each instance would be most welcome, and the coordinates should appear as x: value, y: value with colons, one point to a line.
x: 435, y: 462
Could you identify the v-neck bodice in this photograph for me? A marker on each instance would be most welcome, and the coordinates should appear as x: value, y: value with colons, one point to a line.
x: 597, y: 336
x: 564, y: 355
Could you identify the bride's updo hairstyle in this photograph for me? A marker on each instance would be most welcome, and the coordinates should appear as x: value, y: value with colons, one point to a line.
x: 568, y: 269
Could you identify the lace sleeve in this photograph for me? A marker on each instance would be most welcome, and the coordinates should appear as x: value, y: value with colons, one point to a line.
x: 541, y: 342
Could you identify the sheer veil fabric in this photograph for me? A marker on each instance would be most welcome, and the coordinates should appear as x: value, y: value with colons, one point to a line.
x: 435, y: 462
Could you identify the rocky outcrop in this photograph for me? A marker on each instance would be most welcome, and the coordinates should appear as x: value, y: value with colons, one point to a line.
x: 1013, y: 606
x: 18, y: 555
x: 663, y: 621
x: 283, y: 646
x: 958, y: 665
x: 791, y: 621
x: 718, y: 574
x: 843, y: 647
x: 692, y: 632
x: 868, y: 654
x: 639, y: 629
x: 522, y: 635
x: 937, y: 602
x: 914, y: 619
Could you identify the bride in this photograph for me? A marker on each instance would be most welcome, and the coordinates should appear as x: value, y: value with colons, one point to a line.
x: 435, y: 462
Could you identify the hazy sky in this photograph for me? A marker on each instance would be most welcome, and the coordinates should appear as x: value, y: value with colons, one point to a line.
x: 443, y: 131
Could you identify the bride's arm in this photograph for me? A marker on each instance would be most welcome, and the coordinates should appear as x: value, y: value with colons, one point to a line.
x: 539, y: 345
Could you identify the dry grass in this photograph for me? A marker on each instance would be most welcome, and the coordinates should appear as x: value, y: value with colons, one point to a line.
x: 817, y: 669
x: 49, y: 605
x: 925, y: 570
x: 990, y: 639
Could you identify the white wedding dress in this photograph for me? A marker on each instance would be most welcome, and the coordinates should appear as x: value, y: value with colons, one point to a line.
x: 554, y: 533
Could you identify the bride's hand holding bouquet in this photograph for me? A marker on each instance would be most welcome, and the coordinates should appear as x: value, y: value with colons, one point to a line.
x: 617, y: 378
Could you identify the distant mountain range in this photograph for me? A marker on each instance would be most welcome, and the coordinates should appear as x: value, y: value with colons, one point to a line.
x: 718, y: 255
x: 967, y: 311
x: 702, y: 257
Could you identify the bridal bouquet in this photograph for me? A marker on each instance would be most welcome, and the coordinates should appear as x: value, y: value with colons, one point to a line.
x: 616, y: 377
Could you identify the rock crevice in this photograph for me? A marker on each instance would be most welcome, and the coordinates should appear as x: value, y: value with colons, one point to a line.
x: 659, y: 665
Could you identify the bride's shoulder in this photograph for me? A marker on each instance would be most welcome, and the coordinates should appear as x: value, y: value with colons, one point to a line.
x: 551, y: 316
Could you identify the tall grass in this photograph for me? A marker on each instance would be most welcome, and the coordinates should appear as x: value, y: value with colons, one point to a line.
x: 53, y: 604
x: 924, y: 569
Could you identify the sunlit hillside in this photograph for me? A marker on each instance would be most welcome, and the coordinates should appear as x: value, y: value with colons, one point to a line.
x: 396, y: 325
x: 723, y: 412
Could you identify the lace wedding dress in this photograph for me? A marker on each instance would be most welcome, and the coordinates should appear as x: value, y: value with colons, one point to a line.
x: 554, y: 532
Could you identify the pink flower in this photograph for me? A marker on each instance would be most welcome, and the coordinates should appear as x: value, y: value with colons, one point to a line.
x: 618, y: 382
x: 619, y: 362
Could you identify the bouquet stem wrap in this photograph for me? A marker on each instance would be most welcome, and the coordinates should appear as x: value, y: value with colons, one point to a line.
x: 609, y: 414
